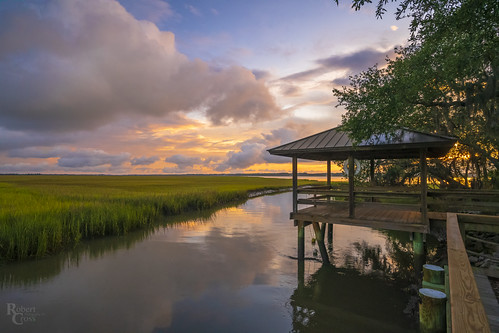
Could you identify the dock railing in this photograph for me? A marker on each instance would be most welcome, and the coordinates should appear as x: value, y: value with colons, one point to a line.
x: 408, y: 198
x: 466, y: 308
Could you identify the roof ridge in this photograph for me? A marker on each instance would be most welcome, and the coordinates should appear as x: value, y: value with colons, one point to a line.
x: 307, y: 137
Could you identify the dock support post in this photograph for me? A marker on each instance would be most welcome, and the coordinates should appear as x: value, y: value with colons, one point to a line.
x: 301, y: 275
x: 319, y: 235
x: 330, y: 233
x: 295, y: 184
x: 351, y: 195
x: 371, y: 173
x: 418, y: 243
x: 329, y: 173
x: 301, y: 240
x: 418, y: 247
x: 424, y: 186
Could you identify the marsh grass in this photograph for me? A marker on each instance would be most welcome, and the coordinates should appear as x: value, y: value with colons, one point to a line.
x: 41, y: 215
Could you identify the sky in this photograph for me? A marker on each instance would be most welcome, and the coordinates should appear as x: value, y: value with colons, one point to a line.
x: 174, y: 87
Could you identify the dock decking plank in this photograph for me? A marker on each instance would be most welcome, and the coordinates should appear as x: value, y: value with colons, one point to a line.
x: 380, y: 217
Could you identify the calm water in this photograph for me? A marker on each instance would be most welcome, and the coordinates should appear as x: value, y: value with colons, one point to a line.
x: 233, y: 272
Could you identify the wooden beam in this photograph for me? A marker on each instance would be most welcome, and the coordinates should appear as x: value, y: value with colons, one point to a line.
x: 424, y: 186
x: 295, y: 184
x: 320, y: 242
x: 325, y: 214
x: 351, y: 194
x: 467, y: 311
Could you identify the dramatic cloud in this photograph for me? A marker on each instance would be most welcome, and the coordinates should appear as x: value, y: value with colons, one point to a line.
x: 77, y: 65
x: 355, y: 62
x: 351, y: 63
x: 249, y: 154
x: 20, y: 139
x: 38, y: 152
x: 183, y: 161
x: 144, y: 160
x: 281, y: 136
x: 91, y: 158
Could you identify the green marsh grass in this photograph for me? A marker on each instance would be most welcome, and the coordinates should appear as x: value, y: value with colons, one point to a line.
x: 41, y: 215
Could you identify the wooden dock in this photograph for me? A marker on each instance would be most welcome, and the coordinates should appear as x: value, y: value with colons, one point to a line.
x: 467, y: 311
x: 379, y: 207
x: 489, y: 300
x: 370, y: 215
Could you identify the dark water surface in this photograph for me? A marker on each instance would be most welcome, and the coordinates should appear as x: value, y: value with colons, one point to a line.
x: 233, y: 272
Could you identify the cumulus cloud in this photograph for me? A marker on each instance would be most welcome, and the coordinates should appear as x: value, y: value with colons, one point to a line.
x: 250, y: 153
x: 281, y: 136
x: 261, y: 74
x: 183, y: 161
x: 254, y: 151
x: 91, y: 158
x: 77, y: 65
x: 144, y: 160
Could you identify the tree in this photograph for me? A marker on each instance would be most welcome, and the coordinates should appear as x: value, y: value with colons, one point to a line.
x: 445, y: 80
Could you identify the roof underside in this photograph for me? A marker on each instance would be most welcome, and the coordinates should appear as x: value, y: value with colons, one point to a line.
x: 335, y: 144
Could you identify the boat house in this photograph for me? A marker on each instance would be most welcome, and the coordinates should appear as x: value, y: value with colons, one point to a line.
x: 362, y: 206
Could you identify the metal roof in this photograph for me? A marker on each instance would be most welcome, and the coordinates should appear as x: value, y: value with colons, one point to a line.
x: 334, y: 144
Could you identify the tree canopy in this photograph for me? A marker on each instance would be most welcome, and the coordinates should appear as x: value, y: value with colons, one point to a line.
x: 444, y: 80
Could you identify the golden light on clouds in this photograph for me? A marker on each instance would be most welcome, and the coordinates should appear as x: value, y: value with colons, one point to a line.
x: 144, y: 106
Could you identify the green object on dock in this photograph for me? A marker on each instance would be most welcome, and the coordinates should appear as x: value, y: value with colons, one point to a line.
x: 434, y: 277
x: 432, y: 311
x: 418, y: 243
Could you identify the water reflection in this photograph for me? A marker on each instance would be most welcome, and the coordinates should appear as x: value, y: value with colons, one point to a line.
x: 231, y: 271
x: 344, y: 300
x: 32, y: 272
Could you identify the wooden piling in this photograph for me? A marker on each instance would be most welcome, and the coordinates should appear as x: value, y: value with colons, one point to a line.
x: 328, y: 178
x: 418, y: 243
x: 320, y: 242
x: 432, y: 311
x: 295, y: 184
x: 434, y: 277
x: 330, y: 233
x: 301, y: 240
